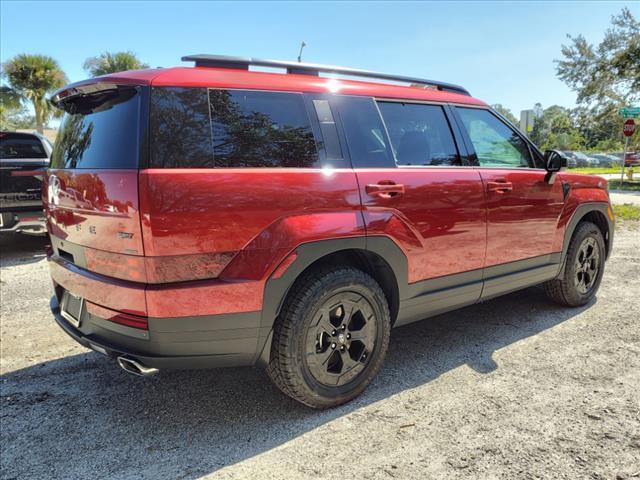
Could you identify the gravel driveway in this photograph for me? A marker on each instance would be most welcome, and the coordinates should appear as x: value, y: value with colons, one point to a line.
x: 513, y: 388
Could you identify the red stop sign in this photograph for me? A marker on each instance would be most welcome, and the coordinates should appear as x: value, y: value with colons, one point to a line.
x: 629, y: 127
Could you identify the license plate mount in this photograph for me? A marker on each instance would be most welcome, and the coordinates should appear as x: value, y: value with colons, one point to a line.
x: 71, y: 308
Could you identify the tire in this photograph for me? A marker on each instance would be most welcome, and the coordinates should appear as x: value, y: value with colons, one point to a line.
x: 331, y: 337
x: 581, y: 276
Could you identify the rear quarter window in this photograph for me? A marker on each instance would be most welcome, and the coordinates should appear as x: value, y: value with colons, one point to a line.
x: 180, y: 128
x: 261, y: 129
x: 200, y: 128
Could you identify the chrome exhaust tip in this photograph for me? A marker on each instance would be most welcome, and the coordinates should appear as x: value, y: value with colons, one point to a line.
x: 134, y: 367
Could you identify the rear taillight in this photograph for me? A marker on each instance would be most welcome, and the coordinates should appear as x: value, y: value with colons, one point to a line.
x: 180, y: 268
x: 116, y: 265
x: 126, y: 319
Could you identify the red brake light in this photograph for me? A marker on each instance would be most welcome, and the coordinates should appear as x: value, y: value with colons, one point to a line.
x: 126, y: 319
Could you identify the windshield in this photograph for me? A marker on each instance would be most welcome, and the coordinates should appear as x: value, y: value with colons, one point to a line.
x: 100, y: 131
x: 20, y: 146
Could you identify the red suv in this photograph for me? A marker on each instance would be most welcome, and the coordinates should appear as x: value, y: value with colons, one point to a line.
x: 216, y: 216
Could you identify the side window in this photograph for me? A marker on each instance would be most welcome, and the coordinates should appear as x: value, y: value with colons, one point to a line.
x: 180, y: 128
x: 260, y: 129
x: 207, y: 128
x: 496, y: 144
x: 365, y: 132
x: 420, y: 134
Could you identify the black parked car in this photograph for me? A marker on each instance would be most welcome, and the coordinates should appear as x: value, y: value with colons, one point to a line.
x: 20, y: 190
x: 571, y: 159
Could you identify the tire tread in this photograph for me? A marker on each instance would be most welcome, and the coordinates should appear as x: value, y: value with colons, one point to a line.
x: 561, y: 290
x: 281, y: 368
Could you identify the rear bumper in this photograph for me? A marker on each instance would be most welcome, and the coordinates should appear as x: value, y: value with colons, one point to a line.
x: 178, y: 343
x: 31, y: 222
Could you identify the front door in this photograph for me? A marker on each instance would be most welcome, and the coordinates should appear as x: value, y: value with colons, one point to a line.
x: 522, y: 209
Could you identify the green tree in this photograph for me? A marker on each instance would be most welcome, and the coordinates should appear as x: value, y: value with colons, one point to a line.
x: 505, y: 112
x: 605, y: 77
x: 555, y: 128
x: 11, y: 109
x: 33, y: 78
x: 108, y: 62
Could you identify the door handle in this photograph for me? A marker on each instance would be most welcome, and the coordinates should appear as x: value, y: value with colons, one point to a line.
x: 384, y: 190
x: 500, y: 186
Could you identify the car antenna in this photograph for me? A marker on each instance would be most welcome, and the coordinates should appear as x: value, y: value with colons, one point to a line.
x: 302, y: 45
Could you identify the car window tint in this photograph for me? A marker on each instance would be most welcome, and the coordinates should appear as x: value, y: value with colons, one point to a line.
x: 496, y: 144
x: 365, y: 133
x: 419, y: 134
x: 19, y: 146
x: 100, y: 131
x: 260, y: 129
x: 180, y: 128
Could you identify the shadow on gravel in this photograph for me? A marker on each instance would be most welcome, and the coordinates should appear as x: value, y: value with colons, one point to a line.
x: 16, y: 248
x: 81, y: 416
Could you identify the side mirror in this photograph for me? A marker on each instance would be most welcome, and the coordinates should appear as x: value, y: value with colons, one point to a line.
x: 554, y: 161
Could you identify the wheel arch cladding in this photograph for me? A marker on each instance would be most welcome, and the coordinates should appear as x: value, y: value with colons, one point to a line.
x: 596, y: 213
x: 600, y: 220
x: 379, y: 257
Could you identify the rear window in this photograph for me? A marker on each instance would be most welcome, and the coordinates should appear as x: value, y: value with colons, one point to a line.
x: 100, y: 131
x: 200, y: 128
x: 16, y: 146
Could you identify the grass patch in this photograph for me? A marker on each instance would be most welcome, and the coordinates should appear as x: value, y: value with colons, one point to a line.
x: 595, y: 171
x: 626, y: 212
x: 630, y: 185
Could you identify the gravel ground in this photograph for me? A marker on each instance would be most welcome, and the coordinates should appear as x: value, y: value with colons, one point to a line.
x: 513, y: 388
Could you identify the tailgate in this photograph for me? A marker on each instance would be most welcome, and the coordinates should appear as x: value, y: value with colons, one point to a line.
x: 95, y: 208
x: 23, y: 192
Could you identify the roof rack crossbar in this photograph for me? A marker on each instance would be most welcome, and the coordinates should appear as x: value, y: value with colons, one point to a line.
x: 243, y: 63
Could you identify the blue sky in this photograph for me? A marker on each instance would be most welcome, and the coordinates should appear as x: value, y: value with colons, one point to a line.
x: 502, y: 52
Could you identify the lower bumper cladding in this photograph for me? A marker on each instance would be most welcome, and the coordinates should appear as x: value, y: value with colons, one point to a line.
x: 188, y: 343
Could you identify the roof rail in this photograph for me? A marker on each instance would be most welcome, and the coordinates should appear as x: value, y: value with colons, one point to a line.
x: 243, y: 63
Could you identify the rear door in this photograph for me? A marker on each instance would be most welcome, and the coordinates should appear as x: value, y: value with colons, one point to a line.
x: 415, y: 188
x: 522, y: 209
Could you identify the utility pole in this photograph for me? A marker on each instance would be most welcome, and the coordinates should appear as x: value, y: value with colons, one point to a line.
x: 302, y: 45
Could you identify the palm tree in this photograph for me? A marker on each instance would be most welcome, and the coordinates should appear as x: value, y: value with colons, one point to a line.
x: 112, y: 62
x: 33, y: 77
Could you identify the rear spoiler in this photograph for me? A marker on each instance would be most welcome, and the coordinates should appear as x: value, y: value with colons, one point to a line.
x: 78, y: 90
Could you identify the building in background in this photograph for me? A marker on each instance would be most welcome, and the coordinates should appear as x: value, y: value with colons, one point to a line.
x: 527, y: 117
